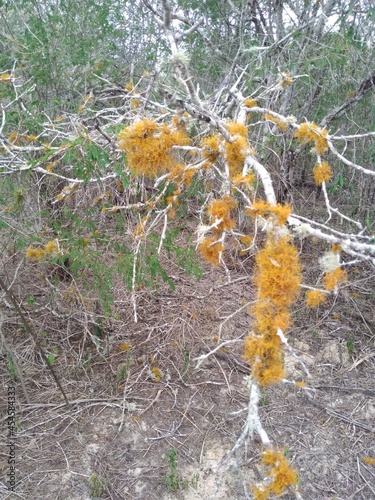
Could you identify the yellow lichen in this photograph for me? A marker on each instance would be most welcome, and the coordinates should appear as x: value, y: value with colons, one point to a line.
x: 244, y: 180
x: 135, y: 103
x: 148, y: 146
x: 269, y: 318
x: 281, y: 212
x: 14, y: 137
x: 124, y: 347
x: 35, y: 254
x: 336, y: 248
x: 283, y: 126
x: 264, y: 209
x: 5, y: 77
x: 278, y: 272
x: 246, y: 240
x: 314, y: 298
x: 235, y: 151
x: 322, y: 173
x: 250, y: 103
x: 277, y: 277
x: 286, y: 79
x: 211, y: 250
x: 221, y: 209
x: 258, y: 208
x: 333, y: 279
x: 156, y: 374
x: 211, y: 148
x: 182, y: 175
x: 51, y: 247
x: 280, y: 476
x: 310, y: 132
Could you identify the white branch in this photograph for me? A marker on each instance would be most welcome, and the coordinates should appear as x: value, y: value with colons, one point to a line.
x: 348, y: 162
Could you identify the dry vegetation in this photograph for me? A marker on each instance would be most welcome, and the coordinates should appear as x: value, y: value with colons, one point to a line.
x: 136, y: 394
x: 187, y: 250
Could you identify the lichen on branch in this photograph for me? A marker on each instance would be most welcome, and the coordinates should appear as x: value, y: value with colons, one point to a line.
x: 148, y: 146
x: 277, y: 278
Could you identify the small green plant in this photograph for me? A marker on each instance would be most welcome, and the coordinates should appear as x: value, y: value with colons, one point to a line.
x: 172, y: 479
x: 350, y: 346
x: 31, y: 299
x: 11, y: 367
x: 97, y: 486
x: 194, y: 481
x: 51, y: 358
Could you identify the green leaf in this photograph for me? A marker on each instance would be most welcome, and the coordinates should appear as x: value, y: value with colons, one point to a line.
x: 51, y: 359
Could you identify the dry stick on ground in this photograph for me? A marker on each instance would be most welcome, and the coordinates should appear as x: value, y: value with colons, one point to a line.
x: 32, y: 334
x: 341, y: 416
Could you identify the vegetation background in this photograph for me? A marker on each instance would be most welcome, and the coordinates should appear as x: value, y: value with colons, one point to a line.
x: 174, y: 177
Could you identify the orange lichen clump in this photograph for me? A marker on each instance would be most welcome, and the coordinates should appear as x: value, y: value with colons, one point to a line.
x: 211, y: 148
x: 322, y: 173
x: 177, y: 172
x: 135, y: 103
x: 246, y: 240
x: 310, y: 132
x: 280, y: 474
x: 35, y: 254
x: 148, y: 146
x: 264, y: 209
x: 333, y: 279
x: 265, y: 359
x: 281, y: 212
x: 51, y: 247
x: 258, y: 208
x: 156, y: 374
x: 269, y: 318
x: 243, y: 180
x: 277, y: 277
x: 5, y: 77
x: 250, y: 103
x: 278, y: 272
x: 286, y: 79
x: 221, y: 209
x: 336, y: 248
x: 237, y: 128
x: 301, y: 384
x: 283, y: 126
x: 235, y: 151
x: 211, y: 250
x: 124, y: 347
x: 314, y: 298
x: 182, y: 175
